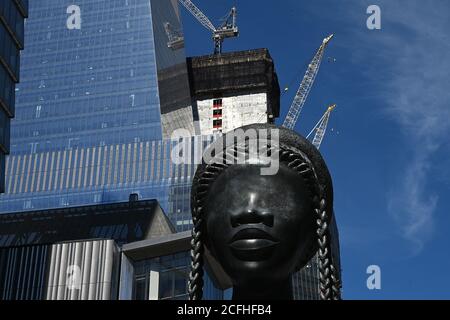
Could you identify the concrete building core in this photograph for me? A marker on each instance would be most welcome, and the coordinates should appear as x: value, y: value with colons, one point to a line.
x: 233, y: 89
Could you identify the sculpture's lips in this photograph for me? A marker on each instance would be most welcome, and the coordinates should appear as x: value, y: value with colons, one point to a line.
x: 252, y: 234
x: 252, y: 244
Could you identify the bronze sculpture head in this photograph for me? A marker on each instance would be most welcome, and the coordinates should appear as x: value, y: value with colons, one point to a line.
x: 261, y: 227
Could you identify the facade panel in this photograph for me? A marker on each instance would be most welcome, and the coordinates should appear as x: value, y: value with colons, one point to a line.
x: 84, y: 270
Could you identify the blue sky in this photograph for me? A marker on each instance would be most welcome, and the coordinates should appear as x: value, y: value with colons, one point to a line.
x: 388, y: 150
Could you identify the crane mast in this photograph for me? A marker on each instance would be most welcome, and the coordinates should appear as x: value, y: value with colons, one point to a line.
x: 321, y: 127
x: 228, y: 29
x: 305, y: 86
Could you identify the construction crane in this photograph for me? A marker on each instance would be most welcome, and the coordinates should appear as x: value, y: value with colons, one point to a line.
x: 176, y: 39
x: 305, y: 86
x: 321, y: 127
x: 227, y: 29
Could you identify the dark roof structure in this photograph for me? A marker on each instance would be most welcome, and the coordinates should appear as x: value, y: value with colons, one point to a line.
x: 123, y: 222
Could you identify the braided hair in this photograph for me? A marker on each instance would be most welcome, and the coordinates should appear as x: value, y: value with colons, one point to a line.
x: 297, y: 154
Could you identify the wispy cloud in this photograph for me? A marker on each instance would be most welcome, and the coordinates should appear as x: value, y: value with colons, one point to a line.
x: 418, y: 100
x: 407, y: 67
x: 411, y: 205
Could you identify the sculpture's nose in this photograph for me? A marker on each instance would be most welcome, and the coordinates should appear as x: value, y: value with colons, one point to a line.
x: 251, y: 216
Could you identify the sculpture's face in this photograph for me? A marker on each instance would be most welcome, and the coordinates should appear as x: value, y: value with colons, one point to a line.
x: 258, y: 226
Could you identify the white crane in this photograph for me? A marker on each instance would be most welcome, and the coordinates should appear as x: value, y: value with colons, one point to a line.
x: 227, y: 29
x: 175, y: 37
x: 321, y: 127
x: 305, y: 86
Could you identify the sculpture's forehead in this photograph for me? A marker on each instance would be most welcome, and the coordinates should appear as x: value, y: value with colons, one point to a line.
x: 253, y: 172
x: 239, y: 178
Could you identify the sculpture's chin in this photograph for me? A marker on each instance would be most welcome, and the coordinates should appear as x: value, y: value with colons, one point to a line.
x: 251, y: 272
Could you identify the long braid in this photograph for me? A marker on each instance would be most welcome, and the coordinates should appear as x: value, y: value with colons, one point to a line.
x: 195, y: 286
x: 324, y: 252
x: 336, y: 284
x: 329, y: 285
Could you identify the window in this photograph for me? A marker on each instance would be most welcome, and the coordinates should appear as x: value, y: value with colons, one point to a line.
x: 97, y: 197
x: 38, y: 111
x: 165, y: 285
x: 217, y: 113
x: 173, y: 284
x: 27, y: 204
x: 63, y: 202
x: 33, y: 147
x: 179, y: 282
x: 217, y: 123
x: 140, y: 289
x: 217, y: 103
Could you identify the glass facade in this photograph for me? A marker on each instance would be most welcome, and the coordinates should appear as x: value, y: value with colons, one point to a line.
x: 305, y: 283
x: 173, y: 79
x: 12, y: 15
x: 165, y: 278
x: 89, y: 76
x: 108, y: 174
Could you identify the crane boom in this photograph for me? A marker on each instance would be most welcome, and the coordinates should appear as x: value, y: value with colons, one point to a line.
x: 192, y: 8
x: 321, y: 127
x: 305, y: 86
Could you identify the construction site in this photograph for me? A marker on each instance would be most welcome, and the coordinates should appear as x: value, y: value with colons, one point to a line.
x: 249, y: 76
x: 233, y: 89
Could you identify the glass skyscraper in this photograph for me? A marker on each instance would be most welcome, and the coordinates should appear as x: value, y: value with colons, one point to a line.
x: 99, y: 92
x: 90, y: 75
x: 12, y: 15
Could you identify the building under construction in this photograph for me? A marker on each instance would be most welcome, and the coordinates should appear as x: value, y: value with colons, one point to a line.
x: 233, y: 89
